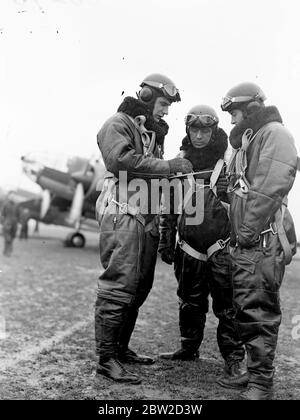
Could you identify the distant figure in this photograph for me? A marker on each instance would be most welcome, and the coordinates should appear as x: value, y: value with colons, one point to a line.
x: 24, y: 218
x: 10, y: 217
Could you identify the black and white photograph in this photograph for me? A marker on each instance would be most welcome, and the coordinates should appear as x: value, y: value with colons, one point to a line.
x: 149, y: 203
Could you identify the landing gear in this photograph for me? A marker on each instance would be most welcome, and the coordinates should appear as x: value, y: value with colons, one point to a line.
x: 75, y: 240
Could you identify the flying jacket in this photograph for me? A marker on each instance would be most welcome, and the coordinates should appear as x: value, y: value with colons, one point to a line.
x: 271, y: 169
x: 120, y: 142
x: 215, y: 224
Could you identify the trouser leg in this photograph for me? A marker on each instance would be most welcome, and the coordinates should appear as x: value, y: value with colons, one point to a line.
x: 191, y: 323
x: 148, y: 262
x: 8, y: 233
x: 193, y: 299
x: 109, y: 317
x: 128, y: 326
x: 120, y: 248
x: 6, y: 246
x: 257, y: 276
x: 230, y: 345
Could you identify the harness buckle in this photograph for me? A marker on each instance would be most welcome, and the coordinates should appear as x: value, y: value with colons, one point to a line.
x: 243, y: 185
x: 222, y: 243
x: 122, y: 206
x: 273, y: 228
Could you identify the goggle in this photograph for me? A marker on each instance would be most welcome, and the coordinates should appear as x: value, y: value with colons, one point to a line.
x: 169, y: 89
x: 228, y: 101
x: 204, y: 119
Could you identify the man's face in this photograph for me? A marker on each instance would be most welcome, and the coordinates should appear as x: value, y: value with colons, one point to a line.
x: 200, y: 136
x: 161, y: 108
x: 236, y: 116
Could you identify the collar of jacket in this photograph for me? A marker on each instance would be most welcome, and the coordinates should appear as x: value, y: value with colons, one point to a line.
x: 255, y: 121
x: 134, y: 107
x: 207, y: 157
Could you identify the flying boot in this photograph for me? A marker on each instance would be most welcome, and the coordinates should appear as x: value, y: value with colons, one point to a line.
x: 107, y: 331
x: 234, y: 377
x: 125, y: 354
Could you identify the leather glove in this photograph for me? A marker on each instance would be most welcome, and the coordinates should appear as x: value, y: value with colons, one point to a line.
x: 232, y: 242
x: 167, y: 255
x: 180, y: 165
x: 222, y: 185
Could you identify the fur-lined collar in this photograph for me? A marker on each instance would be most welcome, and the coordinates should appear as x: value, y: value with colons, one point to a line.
x: 255, y: 121
x: 207, y: 157
x: 134, y: 107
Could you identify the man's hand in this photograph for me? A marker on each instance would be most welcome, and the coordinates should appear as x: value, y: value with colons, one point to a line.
x: 167, y: 255
x: 180, y: 165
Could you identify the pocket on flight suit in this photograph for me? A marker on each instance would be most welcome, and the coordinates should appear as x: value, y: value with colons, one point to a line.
x: 247, y: 258
x: 107, y: 237
x: 272, y: 284
x: 121, y: 242
x: 246, y: 268
x: 279, y: 270
x: 130, y: 241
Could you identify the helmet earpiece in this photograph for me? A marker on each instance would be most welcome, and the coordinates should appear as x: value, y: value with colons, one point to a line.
x: 253, y: 107
x: 156, y: 85
x: 146, y: 94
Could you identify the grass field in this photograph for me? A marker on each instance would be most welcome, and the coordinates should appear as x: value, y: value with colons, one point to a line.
x: 47, y: 295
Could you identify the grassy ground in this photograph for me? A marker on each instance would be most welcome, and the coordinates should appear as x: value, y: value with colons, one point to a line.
x: 47, y: 294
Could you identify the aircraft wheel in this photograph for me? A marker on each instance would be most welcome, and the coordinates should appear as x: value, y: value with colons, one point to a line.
x: 76, y: 240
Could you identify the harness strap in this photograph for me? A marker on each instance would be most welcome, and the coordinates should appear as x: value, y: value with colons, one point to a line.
x: 226, y: 207
x: 148, y: 137
x: 125, y: 208
x: 220, y: 244
x: 238, y: 191
x: 238, y: 161
x: 215, y: 175
x: 287, y: 250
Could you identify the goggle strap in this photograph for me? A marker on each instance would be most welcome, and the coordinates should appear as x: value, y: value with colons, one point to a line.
x: 236, y: 99
x: 190, y: 118
x: 173, y: 92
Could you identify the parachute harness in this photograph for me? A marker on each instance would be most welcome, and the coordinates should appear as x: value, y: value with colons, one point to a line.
x: 238, y: 163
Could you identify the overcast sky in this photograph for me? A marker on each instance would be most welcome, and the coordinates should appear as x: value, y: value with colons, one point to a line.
x: 64, y: 65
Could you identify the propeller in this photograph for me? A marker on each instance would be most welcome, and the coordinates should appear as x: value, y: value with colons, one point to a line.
x: 76, y: 206
x: 45, y: 203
